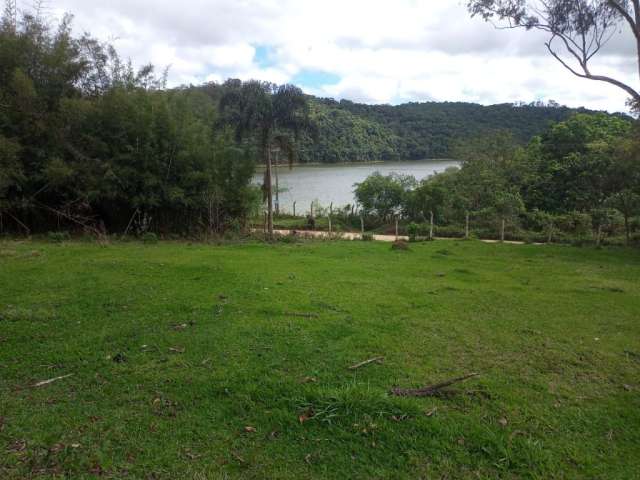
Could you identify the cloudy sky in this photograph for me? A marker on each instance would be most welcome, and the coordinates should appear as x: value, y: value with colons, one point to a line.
x: 373, y: 51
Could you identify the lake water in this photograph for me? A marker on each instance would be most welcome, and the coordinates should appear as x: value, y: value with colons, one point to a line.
x: 334, y: 183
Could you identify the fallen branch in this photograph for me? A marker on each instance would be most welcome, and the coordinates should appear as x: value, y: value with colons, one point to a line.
x: 302, y: 315
x: 51, y: 380
x: 366, y: 362
x: 430, y: 390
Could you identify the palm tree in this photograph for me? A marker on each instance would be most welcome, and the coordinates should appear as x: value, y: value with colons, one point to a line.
x: 270, y: 115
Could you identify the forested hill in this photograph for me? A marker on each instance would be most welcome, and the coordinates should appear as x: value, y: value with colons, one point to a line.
x: 346, y: 131
x: 349, y: 131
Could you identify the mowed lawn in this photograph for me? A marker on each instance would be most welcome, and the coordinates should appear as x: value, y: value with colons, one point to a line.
x: 187, y: 361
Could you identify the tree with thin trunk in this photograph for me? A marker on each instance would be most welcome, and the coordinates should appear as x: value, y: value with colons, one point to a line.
x: 604, y: 219
x: 578, y: 29
x: 507, y: 206
x: 626, y: 202
x: 270, y: 115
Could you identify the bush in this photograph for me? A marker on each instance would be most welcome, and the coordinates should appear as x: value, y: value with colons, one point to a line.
x: 149, y: 238
x: 367, y: 237
x: 400, y: 245
x: 58, y: 237
x: 287, y: 239
x: 575, y: 223
x: 412, y: 230
x: 449, y: 231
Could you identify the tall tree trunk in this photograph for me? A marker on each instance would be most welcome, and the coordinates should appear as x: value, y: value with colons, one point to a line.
x: 599, y: 235
x: 466, y: 226
x: 502, y: 230
x: 269, y: 193
x: 277, y: 188
x: 627, y: 230
x: 431, y: 225
x: 362, y: 225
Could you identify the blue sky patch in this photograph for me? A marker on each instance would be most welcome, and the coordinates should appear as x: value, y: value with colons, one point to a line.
x: 314, y: 78
x: 264, y: 56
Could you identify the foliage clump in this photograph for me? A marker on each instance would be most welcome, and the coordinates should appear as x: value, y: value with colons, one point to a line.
x: 149, y: 238
x: 400, y: 245
x: 58, y: 237
x: 91, y: 143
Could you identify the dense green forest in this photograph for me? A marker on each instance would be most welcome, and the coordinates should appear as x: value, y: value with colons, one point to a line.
x: 579, y: 179
x: 355, y: 132
x: 89, y: 143
x: 416, y: 131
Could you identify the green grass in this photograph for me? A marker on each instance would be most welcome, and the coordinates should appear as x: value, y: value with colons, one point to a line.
x: 547, y: 328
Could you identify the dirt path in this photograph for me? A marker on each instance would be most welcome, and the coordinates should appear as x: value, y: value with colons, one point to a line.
x: 357, y: 236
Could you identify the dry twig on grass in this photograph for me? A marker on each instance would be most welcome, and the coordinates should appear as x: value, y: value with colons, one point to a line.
x: 366, y: 362
x: 51, y: 380
x: 430, y: 390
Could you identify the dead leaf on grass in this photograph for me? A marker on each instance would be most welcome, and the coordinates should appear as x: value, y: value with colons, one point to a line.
x: 250, y: 429
x: 238, y: 458
x: 399, y: 418
x: 96, y: 470
x: 306, y: 416
x: 191, y: 456
x: 56, y: 448
x: 17, y: 446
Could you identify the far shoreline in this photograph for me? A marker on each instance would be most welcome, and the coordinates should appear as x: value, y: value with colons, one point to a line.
x: 347, y: 164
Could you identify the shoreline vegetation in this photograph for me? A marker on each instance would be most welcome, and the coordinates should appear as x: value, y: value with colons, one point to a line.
x: 356, y: 163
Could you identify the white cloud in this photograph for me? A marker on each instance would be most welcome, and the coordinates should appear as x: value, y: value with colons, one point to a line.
x: 382, y: 51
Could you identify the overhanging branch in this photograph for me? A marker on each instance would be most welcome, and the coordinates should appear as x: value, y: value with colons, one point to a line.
x: 588, y: 75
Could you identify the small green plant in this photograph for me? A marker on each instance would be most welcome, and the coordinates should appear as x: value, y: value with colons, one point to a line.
x: 412, y: 230
x: 149, y: 238
x: 58, y: 237
x: 288, y: 239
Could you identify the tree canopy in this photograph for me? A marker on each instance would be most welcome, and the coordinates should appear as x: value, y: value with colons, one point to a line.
x: 89, y: 142
x: 577, y: 29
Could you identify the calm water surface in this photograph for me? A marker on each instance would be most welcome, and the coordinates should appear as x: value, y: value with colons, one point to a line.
x: 334, y: 183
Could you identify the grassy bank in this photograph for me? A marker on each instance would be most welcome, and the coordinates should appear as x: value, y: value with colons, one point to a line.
x: 195, y: 361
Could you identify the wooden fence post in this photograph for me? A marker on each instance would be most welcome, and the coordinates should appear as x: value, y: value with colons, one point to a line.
x: 466, y: 226
x: 431, y: 225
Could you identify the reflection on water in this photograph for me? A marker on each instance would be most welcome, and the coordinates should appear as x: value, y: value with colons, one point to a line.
x: 334, y: 183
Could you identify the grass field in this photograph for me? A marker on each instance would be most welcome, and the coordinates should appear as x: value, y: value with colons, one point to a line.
x: 187, y: 363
